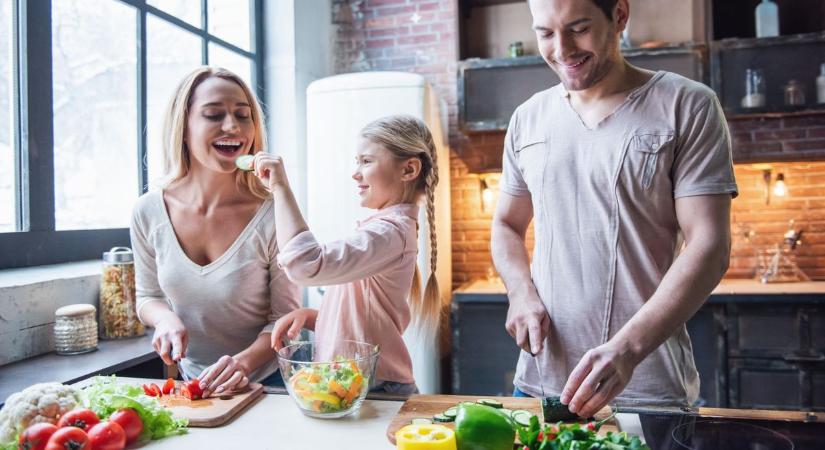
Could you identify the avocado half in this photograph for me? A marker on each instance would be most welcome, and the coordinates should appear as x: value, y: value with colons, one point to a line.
x: 555, y: 411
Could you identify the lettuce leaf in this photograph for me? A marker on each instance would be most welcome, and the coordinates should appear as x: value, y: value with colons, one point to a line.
x: 105, y: 396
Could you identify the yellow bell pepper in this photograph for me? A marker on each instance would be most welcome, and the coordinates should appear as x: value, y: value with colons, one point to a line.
x: 425, y: 437
x: 329, y: 398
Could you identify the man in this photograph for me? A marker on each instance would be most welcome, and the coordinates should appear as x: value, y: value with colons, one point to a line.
x: 616, y: 165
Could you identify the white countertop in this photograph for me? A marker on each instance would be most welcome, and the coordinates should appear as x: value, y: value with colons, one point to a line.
x: 275, y: 423
x: 726, y: 287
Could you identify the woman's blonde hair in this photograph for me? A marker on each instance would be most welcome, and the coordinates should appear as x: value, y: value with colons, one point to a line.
x: 176, y: 158
x: 408, y: 137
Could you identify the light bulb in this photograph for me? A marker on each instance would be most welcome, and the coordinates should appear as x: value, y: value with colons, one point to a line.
x: 779, y: 189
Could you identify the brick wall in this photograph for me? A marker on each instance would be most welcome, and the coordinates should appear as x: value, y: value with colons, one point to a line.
x: 421, y: 36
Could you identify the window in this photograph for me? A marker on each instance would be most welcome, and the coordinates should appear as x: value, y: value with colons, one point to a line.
x: 81, y: 106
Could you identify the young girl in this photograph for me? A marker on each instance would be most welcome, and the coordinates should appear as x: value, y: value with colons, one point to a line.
x: 206, y: 275
x: 376, y: 283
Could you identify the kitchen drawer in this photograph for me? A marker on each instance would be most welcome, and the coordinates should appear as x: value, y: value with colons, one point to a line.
x: 764, y: 384
x: 776, y: 384
x: 775, y: 330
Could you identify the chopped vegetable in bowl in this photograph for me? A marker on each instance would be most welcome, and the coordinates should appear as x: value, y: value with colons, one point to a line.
x: 328, y: 388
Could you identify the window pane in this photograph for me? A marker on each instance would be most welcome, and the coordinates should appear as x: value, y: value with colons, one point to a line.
x: 171, y: 53
x: 95, y: 113
x: 186, y: 10
x: 229, y: 20
x: 221, y: 57
x: 7, y: 175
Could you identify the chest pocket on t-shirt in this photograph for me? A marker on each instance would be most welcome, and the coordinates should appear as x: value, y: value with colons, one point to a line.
x: 650, y: 147
x: 531, y: 154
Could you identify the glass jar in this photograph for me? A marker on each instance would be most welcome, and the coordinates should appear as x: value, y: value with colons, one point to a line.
x: 794, y: 93
x: 118, y: 315
x: 516, y: 49
x: 75, y: 329
x: 754, y: 89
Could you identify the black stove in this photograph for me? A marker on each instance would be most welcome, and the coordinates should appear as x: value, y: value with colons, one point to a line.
x: 689, y: 432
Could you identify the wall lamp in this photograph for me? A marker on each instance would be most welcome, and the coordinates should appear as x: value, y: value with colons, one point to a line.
x: 779, y: 188
x: 489, y: 191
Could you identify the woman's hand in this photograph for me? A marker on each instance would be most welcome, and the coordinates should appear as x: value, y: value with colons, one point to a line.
x: 270, y: 169
x: 290, y: 325
x: 170, y: 339
x: 226, y: 375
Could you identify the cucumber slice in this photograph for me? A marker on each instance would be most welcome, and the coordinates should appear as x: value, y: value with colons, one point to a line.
x: 244, y: 162
x: 522, y: 417
x: 442, y: 418
x: 508, y: 412
x: 490, y: 402
x: 421, y: 421
x: 452, y: 412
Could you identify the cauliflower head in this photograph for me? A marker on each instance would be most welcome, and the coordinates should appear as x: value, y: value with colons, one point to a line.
x: 42, y: 402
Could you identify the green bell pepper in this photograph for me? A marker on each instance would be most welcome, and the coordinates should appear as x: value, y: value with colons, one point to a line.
x: 481, y: 427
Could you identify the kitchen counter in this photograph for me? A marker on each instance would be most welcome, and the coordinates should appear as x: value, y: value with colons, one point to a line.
x: 274, y: 422
x: 726, y: 287
x: 111, y: 356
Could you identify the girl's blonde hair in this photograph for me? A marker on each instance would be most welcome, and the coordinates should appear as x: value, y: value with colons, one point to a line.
x: 176, y: 158
x: 408, y: 137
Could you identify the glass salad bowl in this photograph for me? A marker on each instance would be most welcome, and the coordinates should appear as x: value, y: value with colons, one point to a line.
x: 328, y: 379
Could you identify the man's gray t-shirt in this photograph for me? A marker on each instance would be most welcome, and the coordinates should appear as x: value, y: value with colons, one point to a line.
x: 605, y: 222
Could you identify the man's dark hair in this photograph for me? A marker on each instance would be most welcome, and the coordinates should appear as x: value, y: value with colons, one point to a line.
x: 607, y: 7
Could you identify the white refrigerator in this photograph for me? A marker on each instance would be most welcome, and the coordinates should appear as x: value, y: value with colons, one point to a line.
x: 337, y: 108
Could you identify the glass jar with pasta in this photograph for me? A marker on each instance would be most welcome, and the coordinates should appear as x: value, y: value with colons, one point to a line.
x: 118, y: 316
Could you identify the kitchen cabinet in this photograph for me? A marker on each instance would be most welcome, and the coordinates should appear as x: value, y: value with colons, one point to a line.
x: 489, y: 90
x: 755, y: 346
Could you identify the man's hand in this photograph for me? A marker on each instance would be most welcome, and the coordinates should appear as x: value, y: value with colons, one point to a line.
x: 528, y: 322
x: 598, y: 378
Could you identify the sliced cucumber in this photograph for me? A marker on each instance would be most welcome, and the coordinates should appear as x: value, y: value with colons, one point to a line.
x: 522, y: 417
x: 452, y: 412
x: 508, y: 412
x: 490, y: 402
x: 244, y: 162
x: 421, y: 421
x: 443, y: 418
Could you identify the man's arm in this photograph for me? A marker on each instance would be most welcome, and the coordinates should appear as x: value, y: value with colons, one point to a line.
x: 527, y: 319
x: 604, y: 371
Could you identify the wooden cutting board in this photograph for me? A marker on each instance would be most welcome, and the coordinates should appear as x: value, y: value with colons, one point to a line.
x: 425, y: 406
x: 205, y: 413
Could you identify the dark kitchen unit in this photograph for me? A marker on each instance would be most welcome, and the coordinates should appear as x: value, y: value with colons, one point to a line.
x: 756, y: 345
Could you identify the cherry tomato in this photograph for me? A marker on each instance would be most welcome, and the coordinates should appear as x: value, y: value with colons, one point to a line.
x: 152, y: 390
x: 130, y: 421
x: 69, y: 438
x: 192, y: 389
x: 168, y: 387
x: 107, y: 436
x: 36, y: 436
x: 80, y: 418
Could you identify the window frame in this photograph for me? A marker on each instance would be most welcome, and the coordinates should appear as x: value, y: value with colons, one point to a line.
x: 38, y: 242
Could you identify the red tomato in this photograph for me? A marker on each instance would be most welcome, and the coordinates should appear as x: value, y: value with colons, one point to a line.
x: 107, y: 436
x: 152, y: 390
x: 69, y: 438
x: 191, y: 389
x: 130, y: 421
x: 36, y: 436
x: 168, y: 387
x: 81, y: 418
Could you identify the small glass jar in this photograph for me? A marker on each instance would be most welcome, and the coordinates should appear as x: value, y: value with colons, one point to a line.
x: 754, y: 89
x: 75, y: 329
x: 516, y: 49
x: 794, y: 93
x: 118, y: 315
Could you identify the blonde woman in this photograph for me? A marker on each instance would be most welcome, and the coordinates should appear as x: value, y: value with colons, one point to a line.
x: 205, y: 249
x: 376, y: 285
